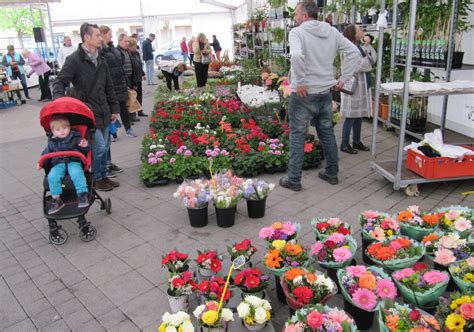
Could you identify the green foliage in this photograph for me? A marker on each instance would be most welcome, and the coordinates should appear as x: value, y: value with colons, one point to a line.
x: 20, y: 19
x: 278, y: 34
x: 247, y: 165
x: 184, y: 166
x: 250, y: 73
x: 276, y: 3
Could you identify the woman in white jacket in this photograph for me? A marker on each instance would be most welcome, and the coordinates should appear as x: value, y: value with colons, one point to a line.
x: 171, y: 70
x: 66, y: 50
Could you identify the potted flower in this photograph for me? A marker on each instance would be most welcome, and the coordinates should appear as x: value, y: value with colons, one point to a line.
x: 323, y: 227
x: 275, y: 156
x: 244, y: 248
x: 180, y: 286
x: 179, y: 321
x: 420, y: 285
x: 363, y: 288
x: 212, y: 289
x: 415, y: 224
x: 311, y: 155
x: 449, y: 249
x: 280, y: 230
x: 396, y: 253
x: 252, y: 281
x: 208, y: 262
x: 456, y: 312
x: 254, y: 312
x: 175, y: 261
x: 396, y: 317
x: 210, y: 319
x: 457, y: 219
x: 195, y: 196
x: 463, y: 274
x: 256, y: 193
x: 226, y: 193
x: 320, y: 318
x: 156, y: 169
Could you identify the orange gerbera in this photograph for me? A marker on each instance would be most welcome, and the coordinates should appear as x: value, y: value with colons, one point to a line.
x: 273, y: 259
x: 293, y: 273
x: 432, y: 321
x: 431, y: 219
x: 293, y: 249
x: 374, y: 248
x: 385, y: 253
x: 405, y: 243
x: 311, y: 277
x: 405, y: 215
x: 368, y: 280
x: 277, y: 225
x: 392, y: 321
x: 419, y: 329
x: 430, y: 238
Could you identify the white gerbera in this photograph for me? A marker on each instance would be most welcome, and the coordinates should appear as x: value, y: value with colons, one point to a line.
x: 243, y: 309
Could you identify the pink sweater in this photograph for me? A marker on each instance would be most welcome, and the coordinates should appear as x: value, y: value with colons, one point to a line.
x: 37, y: 64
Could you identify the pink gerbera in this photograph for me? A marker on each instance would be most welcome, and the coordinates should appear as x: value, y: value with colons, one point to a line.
x: 444, y: 257
x: 266, y: 232
x: 386, y: 289
x: 341, y: 254
x: 402, y: 274
x: 434, y: 277
x: 370, y: 214
x: 356, y: 270
x: 316, y: 248
x: 365, y: 299
x: 288, y: 228
x: 337, y: 238
x: 462, y: 224
x: 338, y: 316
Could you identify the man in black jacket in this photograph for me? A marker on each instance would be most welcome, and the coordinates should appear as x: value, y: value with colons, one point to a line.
x: 148, y: 58
x: 89, y: 74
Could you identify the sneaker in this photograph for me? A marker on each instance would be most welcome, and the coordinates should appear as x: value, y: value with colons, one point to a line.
x: 83, y: 200
x: 114, y: 184
x: 360, y: 146
x: 330, y: 179
x: 56, y: 205
x: 114, y: 139
x: 285, y: 182
x: 102, y: 185
x: 114, y: 168
x: 130, y: 133
x: 348, y: 149
x: 111, y: 175
x: 23, y: 102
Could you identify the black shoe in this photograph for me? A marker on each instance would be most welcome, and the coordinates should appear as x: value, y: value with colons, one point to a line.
x: 134, y: 119
x: 114, y: 168
x: 285, y: 182
x: 348, y: 149
x: 331, y: 179
x: 360, y: 146
x: 142, y: 114
x: 56, y: 205
x: 23, y: 102
x: 83, y: 200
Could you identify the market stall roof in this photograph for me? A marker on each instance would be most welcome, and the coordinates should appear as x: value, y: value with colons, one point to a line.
x: 21, y: 3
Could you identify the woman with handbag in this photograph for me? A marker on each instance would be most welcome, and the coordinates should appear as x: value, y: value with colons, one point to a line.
x: 202, y: 59
x: 356, y: 103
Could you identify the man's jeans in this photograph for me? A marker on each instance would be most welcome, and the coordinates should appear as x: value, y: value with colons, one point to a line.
x: 356, y: 125
x: 316, y: 107
x: 150, y: 71
x: 56, y: 175
x: 101, y: 143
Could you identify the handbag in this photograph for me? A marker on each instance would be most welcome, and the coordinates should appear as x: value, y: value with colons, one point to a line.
x: 206, y: 59
x: 132, y: 102
x: 350, y: 86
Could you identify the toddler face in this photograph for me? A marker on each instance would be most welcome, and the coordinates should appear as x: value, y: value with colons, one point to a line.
x: 61, y: 130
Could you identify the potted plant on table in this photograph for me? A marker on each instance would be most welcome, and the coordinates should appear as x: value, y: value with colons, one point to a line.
x: 252, y: 281
x: 254, y: 312
x: 175, y: 261
x: 320, y: 318
x: 179, y: 321
x: 210, y: 319
x: 195, y: 196
x: 244, y: 248
x: 180, y: 286
x: 256, y: 192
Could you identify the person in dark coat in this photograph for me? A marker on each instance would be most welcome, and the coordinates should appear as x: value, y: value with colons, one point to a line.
x: 217, y: 47
x: 148, y: 58
x: 87, y: 70
x: 138, y: 74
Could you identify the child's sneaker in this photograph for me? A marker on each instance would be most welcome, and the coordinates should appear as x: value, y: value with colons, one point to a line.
x: 83, y: 200
x: 130, y: 133
x: 56, y: 205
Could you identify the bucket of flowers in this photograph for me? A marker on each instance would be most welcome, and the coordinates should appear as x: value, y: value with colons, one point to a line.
x: 456, y: 313
x: 420, y: 285
x: 416, y: 224
x: 180, y: 286
x: 256, y: 193
x: 212, y: 289
x: 280, y: 230
x: 448, y: 249
x: 180, y: 321
x: 396, y: 253
x: 397, y: 317
x: 463, y: 274
x: 209, y: 263
x: 210, y: 319
x: 195, y: 196
x: 322, y: 319
x: 254, y: 312
x: 244, y: 248
x: 323, y: 227
x: 252, y: 281
x: 457, y: 219
x: 175, y: 261
x: 305, y: 288
x: 363, y: 288
x: 226, y: 194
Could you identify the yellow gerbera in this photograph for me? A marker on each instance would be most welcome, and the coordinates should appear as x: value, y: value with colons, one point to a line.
x: 460, y: 301
x: 210, y: 317
x: 279, y: 244
x: 455, y: 322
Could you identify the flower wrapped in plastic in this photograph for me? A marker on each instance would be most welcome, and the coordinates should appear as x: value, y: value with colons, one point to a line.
x: 254, y: 312
x: 194, y: 194
x: 208, y: 315
x: 336, y: 251
x: 180, y: 321
x: 251, y: 281
x: 321, y: 319
x: 416, y: 224
x: 378, y: 226
x: 463, y: 274
x: 456, y: 313
x: 280, y: 230
x: 429, y: 241
x: 256, y: 189
x: 244, y: 248
x: 457, y: 219
x: 394, y: 317
x: 396, y: 253
x: 283, y: 255
x: 323, y: 227
x: 420, y: 285
x: 450, y: 248
x: 304, y: 287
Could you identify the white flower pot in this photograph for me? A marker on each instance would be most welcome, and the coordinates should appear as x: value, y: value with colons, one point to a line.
x: 206, y: 273
x: 178, y: 303
x: 213, y: 329
x: 254, y: 327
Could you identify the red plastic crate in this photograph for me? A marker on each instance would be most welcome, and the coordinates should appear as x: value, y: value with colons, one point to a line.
x: 441, y: 167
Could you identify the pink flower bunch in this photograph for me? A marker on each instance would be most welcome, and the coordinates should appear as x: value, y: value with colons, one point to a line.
x: 274, y: 146
x: 377, y: 225
x: 157, y: 157
x: 456, y: 218
x: 194, y: 194
x: 451, y: 248
x: 319, y: 318
x: 280, y: 230
x: 336, y: 248
x: 420, y: 278
x: 183, y: 150
x: 216, y: 152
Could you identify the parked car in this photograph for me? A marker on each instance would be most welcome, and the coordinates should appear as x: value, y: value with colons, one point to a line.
x: 173, y: 49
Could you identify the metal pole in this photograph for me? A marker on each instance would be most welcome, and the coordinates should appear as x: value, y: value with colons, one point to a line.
x: 46, y: 40
x: 51, y: 29
x: 406, y: 94
x: 353, y: 12
x: 378, y: 79
x: 392, y: 53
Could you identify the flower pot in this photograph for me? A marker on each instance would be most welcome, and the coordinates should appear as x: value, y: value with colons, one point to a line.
x: 256, y: 208
x: 272, y: 170
x: 260, y: 294
x: 154, y: 183
x: 205, y: 328
x: 254, y: 327
x: 205, y: 272
x: 178, y: 303
x: 226, y: 217
x: 365, y: 244
x: 364, y: 319
x: 180, y: 270
x: 198, y: 217
x: 279, y: 290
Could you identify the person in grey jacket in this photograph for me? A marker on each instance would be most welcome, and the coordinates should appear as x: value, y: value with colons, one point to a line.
x: 313, y: 47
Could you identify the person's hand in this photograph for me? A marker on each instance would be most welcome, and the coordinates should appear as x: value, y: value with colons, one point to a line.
x: 302, y: 91
x: 38, y: 167
x: 28, y: 75
x: 143, y: 77
x: 339, y: 85
x: 114, y: 117
x: 83, y: 143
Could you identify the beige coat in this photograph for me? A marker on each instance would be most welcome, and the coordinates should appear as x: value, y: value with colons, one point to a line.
x: 197, y: 51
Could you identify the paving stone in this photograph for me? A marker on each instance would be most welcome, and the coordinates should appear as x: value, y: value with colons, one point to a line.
x: 125, y: 326
x: 60, y: 296
x: 126, y: 287
x: 107, y: 270
x: 144, y: 309
x: 11, y: 312
x: 39, y: 270
x: 69, y: 307
x: 34, y: 308
x: 92, y: 298
x: 77, y: 318
x: 26, y: 291
x: 16, y: 278
x: 72, y: 278
x: 141, y: 255
x: 23, y: 326
x: 57, y: 326
x: 90, y: 326
x: 45, y: 318
x: 89, y: 255
x: 111, y: 318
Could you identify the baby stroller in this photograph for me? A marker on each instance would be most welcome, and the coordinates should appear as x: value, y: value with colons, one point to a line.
x: 82, y: 119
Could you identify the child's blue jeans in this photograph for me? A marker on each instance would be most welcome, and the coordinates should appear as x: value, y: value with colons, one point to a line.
x: 75, y: 172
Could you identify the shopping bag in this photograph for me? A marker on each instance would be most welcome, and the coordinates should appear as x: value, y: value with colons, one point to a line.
x: 350, y: 86
x: 132, y: 103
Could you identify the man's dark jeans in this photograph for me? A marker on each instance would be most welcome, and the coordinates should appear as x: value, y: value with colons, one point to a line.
x: 356, y: 125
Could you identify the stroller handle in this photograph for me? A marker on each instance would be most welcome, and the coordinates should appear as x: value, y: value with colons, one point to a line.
x: 76, y: 154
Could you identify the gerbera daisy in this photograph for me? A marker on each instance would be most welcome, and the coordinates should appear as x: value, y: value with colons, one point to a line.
x: 365, y: 299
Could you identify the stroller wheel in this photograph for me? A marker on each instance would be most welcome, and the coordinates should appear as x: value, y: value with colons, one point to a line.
x: 107, y: 206
x: 58, y: 237
x: 87, y: 233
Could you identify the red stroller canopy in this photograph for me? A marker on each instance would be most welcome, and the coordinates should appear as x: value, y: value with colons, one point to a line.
x: 76, y: 111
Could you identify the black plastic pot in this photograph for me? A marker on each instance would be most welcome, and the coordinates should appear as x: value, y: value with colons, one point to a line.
x: 279, y: 290
x: 272, y: 170
x: 364, y: 319
x: 198, y: 217
x: 256, y: 208
x: 226, y: 217
x: 154, y: 183
x: 365, y: 244
x: 457, y: 60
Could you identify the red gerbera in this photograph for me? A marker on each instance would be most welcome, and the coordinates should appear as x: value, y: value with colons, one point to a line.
x: 178, y: 283
x: 251, y: 281
x: 216, y: 265
x: 303, y: 294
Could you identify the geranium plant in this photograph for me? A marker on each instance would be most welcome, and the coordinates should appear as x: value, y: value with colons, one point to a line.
x: 377, y: 226
x: 274, y: 154
x: 209, y: 260
x: 213, y: 289
x: 208, y: 315
x: 181, y: 284
x: 396, y: 317
x: 457, y: 219
x: 456, y: 313
x: 280, y: 230
x: 463, y: 274
x: 254, y: 311
x: 323, y: 227
x: 175, y: 261
x: 244, y: 248
x: 194, y: 194
x: 322, y: 319
x: 251, y: 280
x: 256, y: 189
x: 180, y: 321
x: 336, y: 251
x: 396, y: 253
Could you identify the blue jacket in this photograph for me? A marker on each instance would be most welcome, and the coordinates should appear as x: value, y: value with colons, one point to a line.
x: 147, y: 50
x: 69, y: 143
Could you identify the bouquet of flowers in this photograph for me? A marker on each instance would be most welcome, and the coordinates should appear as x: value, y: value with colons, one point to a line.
x: 282, y: 255
x: 209, y: 262
x: 335, y: 252
x: 251, y: 281
x: 420, y: 285
x: 456, y: 313
x: 194, y: 194
x: 394, y: 317
x: 364, y: 286
x: 175, y: 261
x: 208, y: 316
x: 179, y: 321
x: 280, y: 230
x: 416, y: 224
x: 463, y: 274
x: 256, y: 189
x: 213, y: 289
x: 270, y: 80
x: 396, y: 253
x: 377, y: 226
x: 457, y: 219
x: 429, y: 241
x: 305, y: 288
x: 321, y: 319
x: 181, y: 284
x: 323, y: 227
x: 450, y: 248
x: 254, y: 312
x: 225, y: 190
x: 244, y: 248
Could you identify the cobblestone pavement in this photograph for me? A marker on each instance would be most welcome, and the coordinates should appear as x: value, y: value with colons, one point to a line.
x: 115, y: 282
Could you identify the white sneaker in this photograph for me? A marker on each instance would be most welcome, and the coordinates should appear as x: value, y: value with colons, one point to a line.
x: 130, y: 133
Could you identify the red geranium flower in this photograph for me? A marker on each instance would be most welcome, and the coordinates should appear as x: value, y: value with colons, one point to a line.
x: 330, y: 244
x: 322, y: 226
x: 418, y: 267
x: 216, y: 265
x: 308, y: 147
x: 178, y: 283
